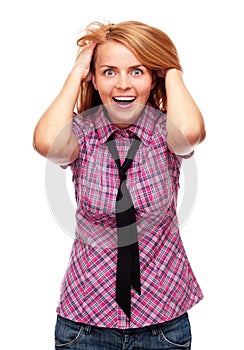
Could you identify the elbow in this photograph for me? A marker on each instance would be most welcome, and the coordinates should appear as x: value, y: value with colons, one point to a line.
x: 182, y: 139
x: 203, y: 135
x: 46, y: 143
x: 194, y: 135
x: 43, y: 141
x: 54, y: 150
x: 47, y: 148
x: 40, y: 145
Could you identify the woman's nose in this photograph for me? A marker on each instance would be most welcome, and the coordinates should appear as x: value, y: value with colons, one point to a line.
x: 123, y: 82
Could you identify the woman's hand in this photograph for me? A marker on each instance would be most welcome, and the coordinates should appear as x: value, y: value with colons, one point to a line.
x: 83, y: 61
x: 53, y: 135
x: 161, y: 73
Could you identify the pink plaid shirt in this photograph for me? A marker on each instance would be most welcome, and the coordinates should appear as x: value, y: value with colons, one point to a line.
x: 169, y: 287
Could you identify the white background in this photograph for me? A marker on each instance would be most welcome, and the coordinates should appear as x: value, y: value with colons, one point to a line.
x: 37, y: 51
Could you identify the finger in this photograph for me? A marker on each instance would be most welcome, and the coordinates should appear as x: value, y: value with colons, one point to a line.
x: 161, y: 73
x: 88, y: 77
x: 86, y: 51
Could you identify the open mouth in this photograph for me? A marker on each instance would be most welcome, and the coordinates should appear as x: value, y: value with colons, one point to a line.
x: 124, y: 100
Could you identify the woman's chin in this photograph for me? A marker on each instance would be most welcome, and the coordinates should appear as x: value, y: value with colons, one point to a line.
x: 124, y: 116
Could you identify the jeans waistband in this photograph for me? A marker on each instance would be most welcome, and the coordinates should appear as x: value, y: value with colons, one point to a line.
x: 152, y: 328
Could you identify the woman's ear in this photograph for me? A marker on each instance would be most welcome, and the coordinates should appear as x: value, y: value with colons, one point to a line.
x: 93, y: 79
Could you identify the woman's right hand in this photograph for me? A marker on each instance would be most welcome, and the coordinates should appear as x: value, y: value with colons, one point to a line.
x: 53, y: 135
x: 83, y: 61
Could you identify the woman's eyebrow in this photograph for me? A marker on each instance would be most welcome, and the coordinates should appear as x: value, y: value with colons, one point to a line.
x: 109, y: 66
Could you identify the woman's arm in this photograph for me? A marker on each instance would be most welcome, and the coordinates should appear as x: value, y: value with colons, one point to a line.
x: 53, y: 135
x: 185, y: 125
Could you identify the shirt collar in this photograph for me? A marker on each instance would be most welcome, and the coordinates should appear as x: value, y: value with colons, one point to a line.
x: 142, y: 128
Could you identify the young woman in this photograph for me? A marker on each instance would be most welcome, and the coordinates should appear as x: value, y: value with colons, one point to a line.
x: 123, y: 121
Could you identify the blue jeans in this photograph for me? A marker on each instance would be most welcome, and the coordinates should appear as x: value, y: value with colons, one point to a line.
x: 171, y: 335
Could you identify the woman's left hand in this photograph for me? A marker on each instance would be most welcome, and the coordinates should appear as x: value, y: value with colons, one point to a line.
x: 161, y: 73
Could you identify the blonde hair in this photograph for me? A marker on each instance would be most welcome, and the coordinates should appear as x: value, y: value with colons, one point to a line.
x: 152, y: 47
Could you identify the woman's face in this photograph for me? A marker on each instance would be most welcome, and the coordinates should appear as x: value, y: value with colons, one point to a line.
x: 123, y: 83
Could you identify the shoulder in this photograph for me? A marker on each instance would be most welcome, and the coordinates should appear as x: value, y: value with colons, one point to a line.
x: 84, y: 126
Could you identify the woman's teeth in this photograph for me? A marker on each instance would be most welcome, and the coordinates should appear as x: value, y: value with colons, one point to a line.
x: 124, y: 99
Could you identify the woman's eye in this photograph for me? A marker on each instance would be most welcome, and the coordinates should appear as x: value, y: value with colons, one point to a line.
x: 109, y: 72
x: 137, y: 72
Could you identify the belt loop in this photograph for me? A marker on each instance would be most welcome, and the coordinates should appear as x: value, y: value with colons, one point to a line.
x: 87, y: 328
x: 154, y: 330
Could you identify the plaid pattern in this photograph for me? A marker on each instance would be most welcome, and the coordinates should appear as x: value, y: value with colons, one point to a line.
x: 169, y: 287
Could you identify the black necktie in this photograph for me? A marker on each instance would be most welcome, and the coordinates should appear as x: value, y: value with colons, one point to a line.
x: 128, y: 262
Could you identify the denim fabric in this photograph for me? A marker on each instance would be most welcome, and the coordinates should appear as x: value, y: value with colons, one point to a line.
x: 171, y: 335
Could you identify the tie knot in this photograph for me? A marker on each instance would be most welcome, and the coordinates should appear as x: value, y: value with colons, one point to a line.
x: 122, y: 174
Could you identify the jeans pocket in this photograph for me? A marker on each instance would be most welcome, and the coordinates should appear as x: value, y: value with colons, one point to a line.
x: 68, y: 332
x: 176, y: 333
